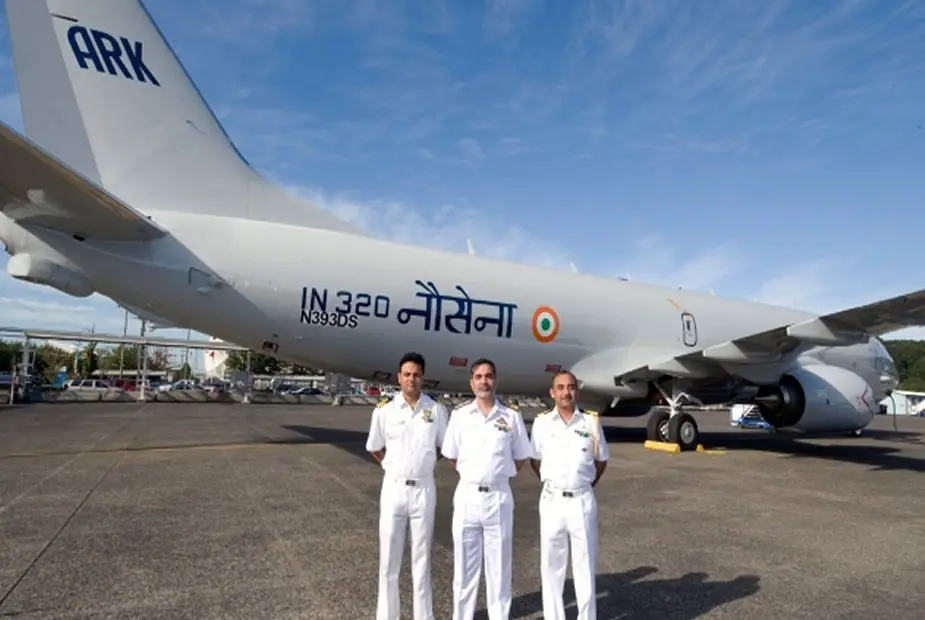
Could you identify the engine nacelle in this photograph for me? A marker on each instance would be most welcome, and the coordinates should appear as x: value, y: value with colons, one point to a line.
x: 819, y: 399
x: 25, y: 266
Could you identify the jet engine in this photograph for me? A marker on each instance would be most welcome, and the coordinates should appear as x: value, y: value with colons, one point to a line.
x: 818, y: 398
x: 38, y: 270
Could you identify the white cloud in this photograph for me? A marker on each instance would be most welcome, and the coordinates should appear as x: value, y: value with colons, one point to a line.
x: 655, y: 260
x: 443, y: 226
x: 504, y: 15
x: 765, y: 65
x: 248, y: 23
x: 33, y: 311
x: 470, y: 149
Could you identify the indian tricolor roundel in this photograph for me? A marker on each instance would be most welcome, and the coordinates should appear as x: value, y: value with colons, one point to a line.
x: 545, y: 324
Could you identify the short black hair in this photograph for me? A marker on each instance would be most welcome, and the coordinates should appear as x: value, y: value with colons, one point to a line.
x: 481, y: 361
x: 414, y: 357
x: 564, y: 372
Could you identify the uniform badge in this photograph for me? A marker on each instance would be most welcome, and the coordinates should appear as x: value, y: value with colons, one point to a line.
x: 502, y: 425
x: 582, y: 433
x: 428, y: 415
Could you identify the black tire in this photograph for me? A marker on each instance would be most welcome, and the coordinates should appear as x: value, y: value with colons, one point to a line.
x: 682, y: 430
x: 657, y: 427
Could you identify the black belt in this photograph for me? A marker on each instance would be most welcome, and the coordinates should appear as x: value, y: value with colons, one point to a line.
x: 562, y: 492
x: 410, y: 482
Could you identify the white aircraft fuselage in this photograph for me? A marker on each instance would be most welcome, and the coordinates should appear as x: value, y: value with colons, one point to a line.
x: 356, y: 305
x: 128, y: 186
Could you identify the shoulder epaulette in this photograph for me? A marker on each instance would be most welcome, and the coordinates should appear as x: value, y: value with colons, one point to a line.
x: 383, y: 402
x: 589, y: 411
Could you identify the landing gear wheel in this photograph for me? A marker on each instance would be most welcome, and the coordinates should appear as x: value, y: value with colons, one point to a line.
x: 657, y: 427
x: 682, y: 430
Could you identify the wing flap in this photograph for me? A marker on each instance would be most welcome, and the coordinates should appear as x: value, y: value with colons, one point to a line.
x: 38, y: 190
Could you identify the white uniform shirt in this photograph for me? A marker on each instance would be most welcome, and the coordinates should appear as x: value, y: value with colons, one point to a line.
x: 485, y: 447
x: 566, y: 451
x: 411, y: 437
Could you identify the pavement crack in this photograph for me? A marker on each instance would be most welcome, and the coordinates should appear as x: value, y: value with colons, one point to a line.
x: 69, y: 462
x: 291, y: 559
x: 60, y: 529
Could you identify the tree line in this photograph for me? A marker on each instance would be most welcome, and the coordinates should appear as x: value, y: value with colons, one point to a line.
x: 263, y: 364
x: 48, y: 360
x: 909, y: 356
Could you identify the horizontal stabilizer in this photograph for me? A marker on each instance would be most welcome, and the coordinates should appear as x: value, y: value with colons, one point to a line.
x: 38, y: 190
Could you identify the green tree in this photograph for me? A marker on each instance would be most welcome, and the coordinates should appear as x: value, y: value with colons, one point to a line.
x: 89, y: 361
x: 260, y: 363
x: 10, y: 355
x: 124, y: 353
x: 49, y: 359
x: 909, y: 356
x: 185, y: 372
x: 158, y: 358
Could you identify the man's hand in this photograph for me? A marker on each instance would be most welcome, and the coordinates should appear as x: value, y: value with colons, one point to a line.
x: 378, y: 455
x: 535, y: 465
x: 600, y: 466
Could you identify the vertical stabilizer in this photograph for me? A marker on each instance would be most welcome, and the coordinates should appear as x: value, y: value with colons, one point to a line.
x: 102, y: 90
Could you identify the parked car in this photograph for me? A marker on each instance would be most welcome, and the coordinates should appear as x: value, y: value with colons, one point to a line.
x: 97, y: 385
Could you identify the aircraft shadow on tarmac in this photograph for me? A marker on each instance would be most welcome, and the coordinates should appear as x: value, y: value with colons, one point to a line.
x: 353, y: 442
x: 849, y: 450
x: 630, y: 595
x: 844, y: 449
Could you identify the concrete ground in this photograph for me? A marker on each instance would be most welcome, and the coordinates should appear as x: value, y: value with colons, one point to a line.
x: 236, y: 511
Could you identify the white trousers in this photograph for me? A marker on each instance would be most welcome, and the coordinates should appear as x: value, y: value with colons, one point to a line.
x: 483, y: 523
x: 401, y: 508
x: 568, y: 522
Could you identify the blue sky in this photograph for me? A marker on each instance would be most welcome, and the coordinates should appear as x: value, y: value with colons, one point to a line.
x: 772, y: 150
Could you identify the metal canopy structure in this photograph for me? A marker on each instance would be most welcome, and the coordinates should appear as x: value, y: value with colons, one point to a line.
x: 46, y: 334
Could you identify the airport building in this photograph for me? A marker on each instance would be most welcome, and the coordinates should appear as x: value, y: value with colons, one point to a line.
x: 904, y: 403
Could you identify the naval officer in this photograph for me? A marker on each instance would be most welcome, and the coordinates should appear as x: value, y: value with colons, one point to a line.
x: 570, y: 456
x: 487, y: 443
x: 405, y: 436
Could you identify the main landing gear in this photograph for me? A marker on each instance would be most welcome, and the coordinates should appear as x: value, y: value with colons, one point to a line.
x: 674, y: 426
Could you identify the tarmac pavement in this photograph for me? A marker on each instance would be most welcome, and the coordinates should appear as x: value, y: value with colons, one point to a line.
x: 156, y: 510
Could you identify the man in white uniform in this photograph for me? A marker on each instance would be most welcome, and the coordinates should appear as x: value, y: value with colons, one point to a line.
x: 487, y: 444
x: 405, y: 435
x: 571, y: 454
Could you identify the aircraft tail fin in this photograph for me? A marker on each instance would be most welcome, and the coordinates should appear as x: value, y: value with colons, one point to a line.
x: 103, y: 92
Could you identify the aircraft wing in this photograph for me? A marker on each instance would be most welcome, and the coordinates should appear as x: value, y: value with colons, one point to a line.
x: 36, y: 189
x: 842, y: 328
